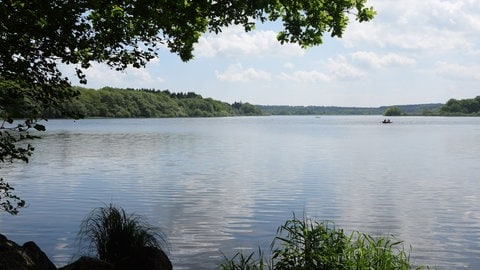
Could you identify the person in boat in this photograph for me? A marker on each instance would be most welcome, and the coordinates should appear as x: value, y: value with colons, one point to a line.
x: 386, y: 121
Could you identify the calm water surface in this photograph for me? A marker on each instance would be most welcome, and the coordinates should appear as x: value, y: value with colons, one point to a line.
x: 225, y: 184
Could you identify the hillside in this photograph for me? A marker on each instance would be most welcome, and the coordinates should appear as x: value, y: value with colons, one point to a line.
x: 136, y: 103
x: 418, y: 109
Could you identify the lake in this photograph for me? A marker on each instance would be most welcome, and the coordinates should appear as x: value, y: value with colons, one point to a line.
x: 219, y: 185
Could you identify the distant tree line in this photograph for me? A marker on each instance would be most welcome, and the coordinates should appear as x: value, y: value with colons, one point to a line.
x: 417, y: 109
x: 467, y: 107
x: 151, y: 103
x: 316, y: 110
x: 453, y: 107
x: 147, y: 103
x: 394, y: 111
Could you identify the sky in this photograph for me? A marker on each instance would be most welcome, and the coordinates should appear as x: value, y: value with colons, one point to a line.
x: 413, y: 52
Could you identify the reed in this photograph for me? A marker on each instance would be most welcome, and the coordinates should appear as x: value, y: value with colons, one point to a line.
x: 247, y: 262
x: 114, y: 235
x: 309, y: 244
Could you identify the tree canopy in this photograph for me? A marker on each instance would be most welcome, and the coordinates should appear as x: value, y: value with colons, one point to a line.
x: 393, y: 111
x: 469, y: 106
x: 110, y: 102
x: 37, y: 36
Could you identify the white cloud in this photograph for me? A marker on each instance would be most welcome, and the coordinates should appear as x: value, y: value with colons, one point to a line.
x: 289, y: 65
x: 234, y: 41
x: 335, y: 69
x: 457, y: 71
x: 433, y: 26
x: 373, y: 60
x: 308, y: 76
x: 340, y: 68
x: 420, y: 38
x: 102, y: 75
x: 236, y: 73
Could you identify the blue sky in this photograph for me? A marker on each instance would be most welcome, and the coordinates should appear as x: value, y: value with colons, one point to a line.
x: 414, y: 51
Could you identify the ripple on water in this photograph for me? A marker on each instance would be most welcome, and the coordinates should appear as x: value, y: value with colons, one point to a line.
x: 224, y: 185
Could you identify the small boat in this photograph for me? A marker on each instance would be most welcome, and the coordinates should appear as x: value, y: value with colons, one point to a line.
x: 387, y: 121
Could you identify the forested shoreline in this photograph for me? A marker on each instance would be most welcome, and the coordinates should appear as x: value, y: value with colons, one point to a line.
x: 412, y: 110
x: 111, y: 102
x: 453, y: 107
x: 461, y: 107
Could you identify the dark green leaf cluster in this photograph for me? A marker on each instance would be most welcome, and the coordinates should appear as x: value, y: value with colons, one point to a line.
x: 14, y: 145
x: 463, y: 107
x: 145, y: 103
x: 305, y: 21
x: 15, y: 137
x: 19, y: 102
x: 9, y: 202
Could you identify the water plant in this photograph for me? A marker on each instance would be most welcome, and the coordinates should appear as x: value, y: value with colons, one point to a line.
x: 247, y: 262
x: 309, y: 244
x: 113, y: 235
x: 368, y: 252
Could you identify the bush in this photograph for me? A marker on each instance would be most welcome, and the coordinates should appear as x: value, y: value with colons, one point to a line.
x: 393, y: 111
x: 307, y: 244
x: 114, y: 235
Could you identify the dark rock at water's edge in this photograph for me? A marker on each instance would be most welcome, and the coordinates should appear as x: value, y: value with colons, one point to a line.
x: 31, y: 257
x: 88, y: 263
x: 26, y: 257
x: 146, y: 258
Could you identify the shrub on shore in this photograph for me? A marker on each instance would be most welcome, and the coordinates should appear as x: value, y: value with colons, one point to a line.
x: 308, y: 244
x: 113, y: 235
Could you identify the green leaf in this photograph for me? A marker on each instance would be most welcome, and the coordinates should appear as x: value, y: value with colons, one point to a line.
x: 39, y: 127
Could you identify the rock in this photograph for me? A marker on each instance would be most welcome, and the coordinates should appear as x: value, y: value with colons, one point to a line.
x: 147, y: 258
x: 31, y: 257
x: 88, y: 263
x: 42, y: 262
x: 28, y: 257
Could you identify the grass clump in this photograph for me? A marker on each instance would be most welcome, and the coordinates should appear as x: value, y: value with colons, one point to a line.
x: 247, y: 262
x: 307, y: 244
x: 113, y: 235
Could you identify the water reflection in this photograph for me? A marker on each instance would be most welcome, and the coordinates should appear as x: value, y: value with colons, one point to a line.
x: 225, y: 184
